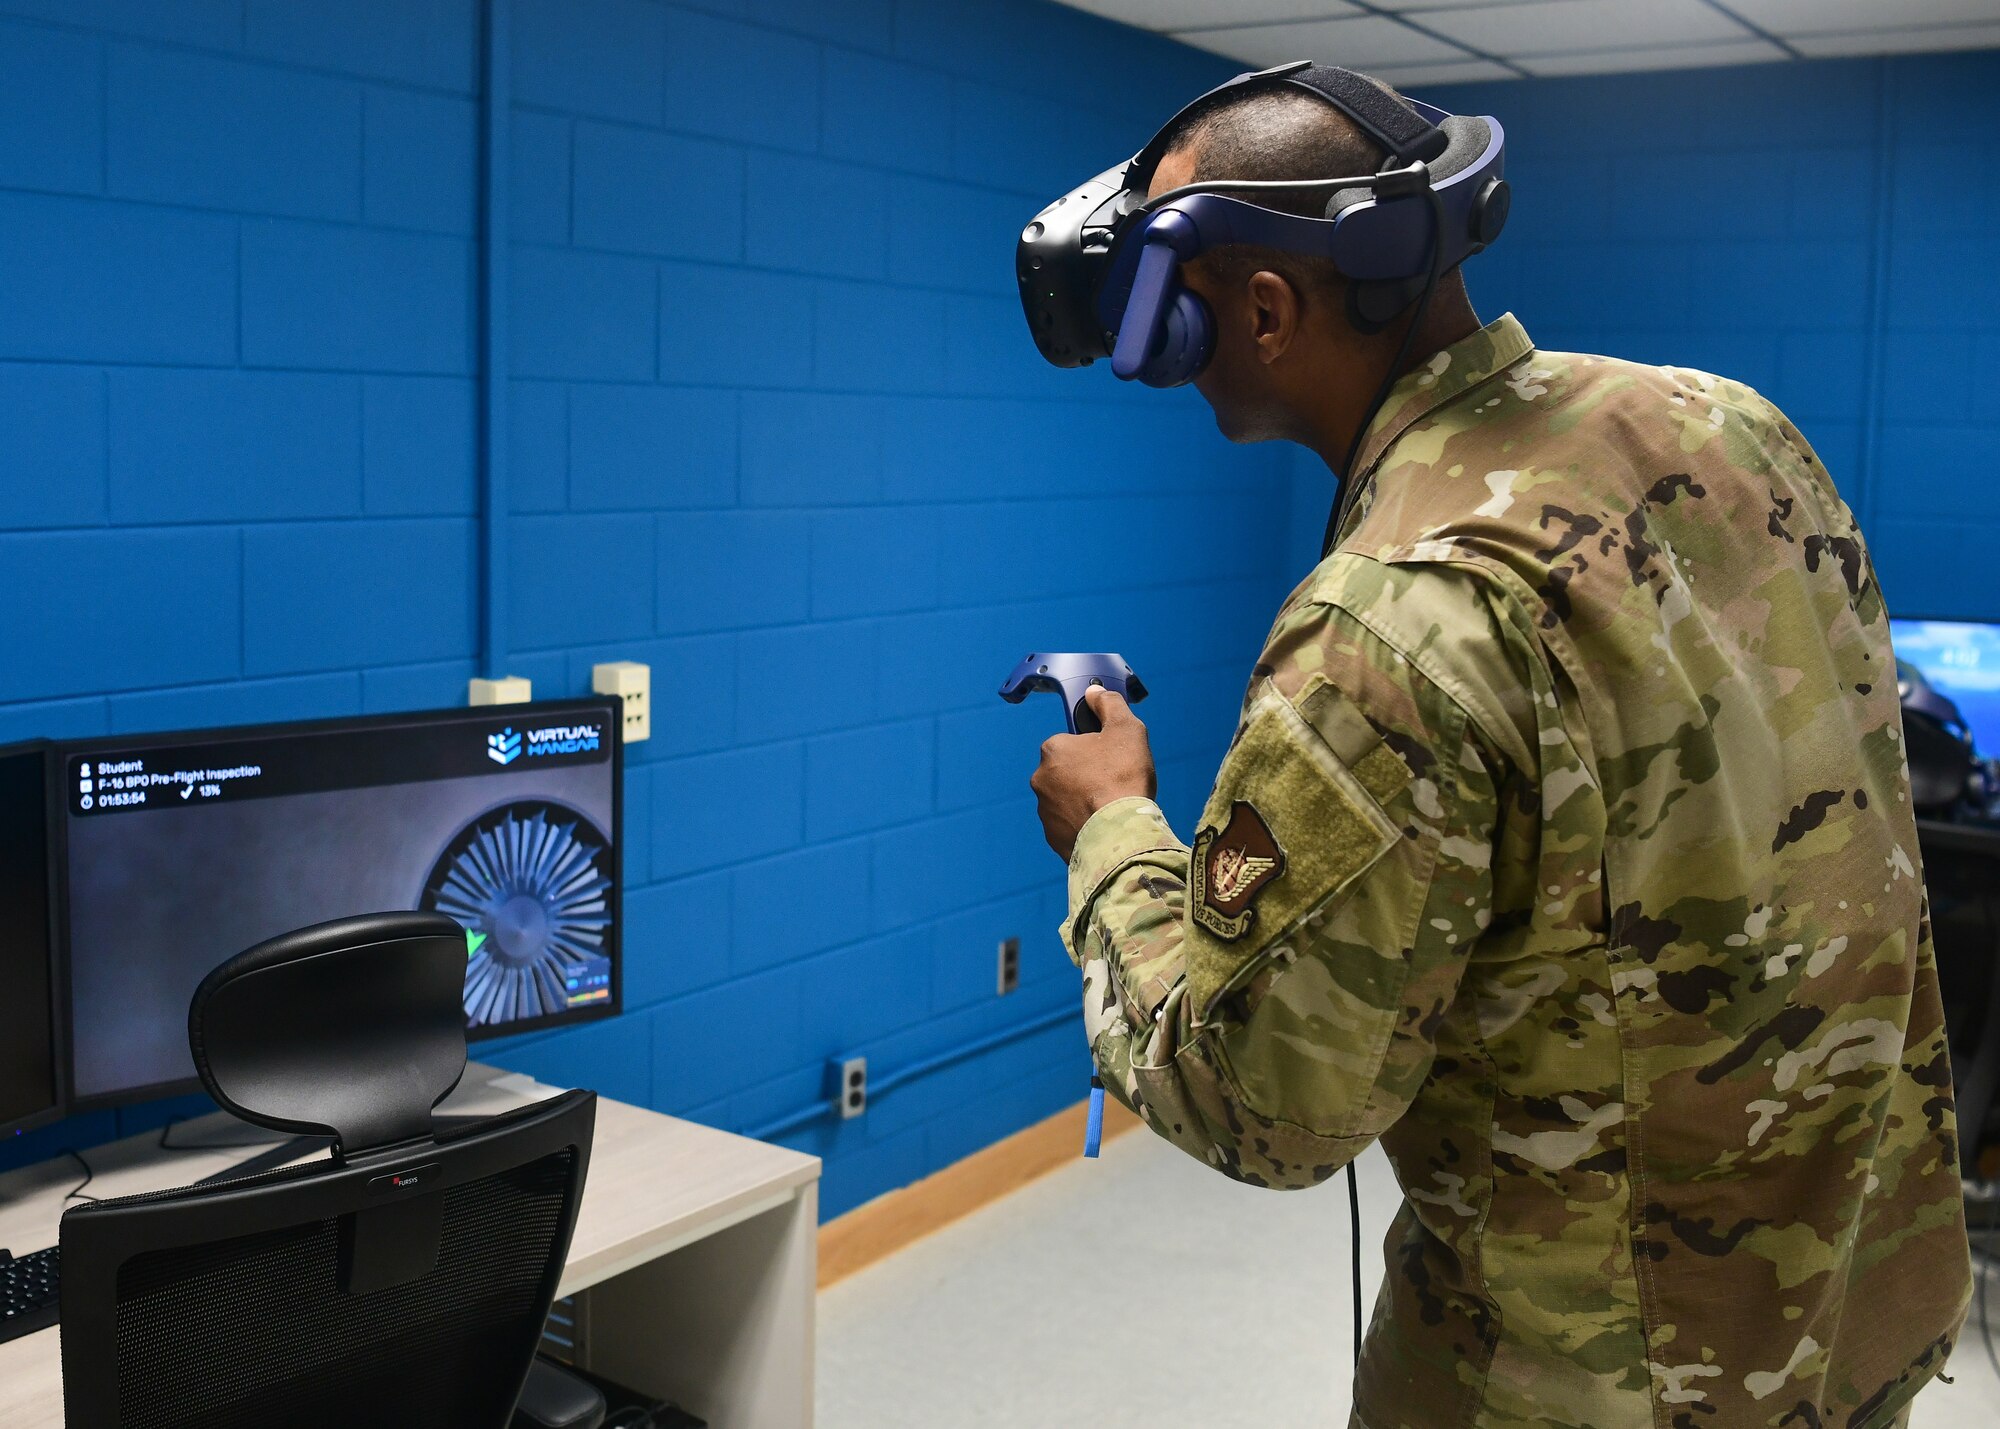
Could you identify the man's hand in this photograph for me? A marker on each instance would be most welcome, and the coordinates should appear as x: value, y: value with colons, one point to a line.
x: 1081, y: 773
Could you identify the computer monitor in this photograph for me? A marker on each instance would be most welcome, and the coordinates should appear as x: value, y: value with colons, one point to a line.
x: 1961, y: 659
x: 176, y: 852
x: 29, y: 1089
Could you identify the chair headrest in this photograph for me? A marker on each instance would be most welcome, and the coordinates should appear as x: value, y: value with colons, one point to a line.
x: 353, y: 1029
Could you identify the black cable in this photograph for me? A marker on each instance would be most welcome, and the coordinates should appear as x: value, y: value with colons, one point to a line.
x: 1985, y: 1279
x: 88, y: 1176
x: 1345, y: 486
x: 1333, y: 519
x: 1986, y: 1325
x: 1354, y: 1234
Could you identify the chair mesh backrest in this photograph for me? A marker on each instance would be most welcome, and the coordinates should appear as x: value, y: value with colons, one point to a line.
x: 252, y: 1332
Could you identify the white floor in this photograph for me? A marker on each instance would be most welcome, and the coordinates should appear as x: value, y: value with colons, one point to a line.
x: 1058, y: 1306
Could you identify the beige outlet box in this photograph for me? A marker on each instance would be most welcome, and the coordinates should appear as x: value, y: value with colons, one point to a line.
x: 507, y: 690
x: 632, y: 682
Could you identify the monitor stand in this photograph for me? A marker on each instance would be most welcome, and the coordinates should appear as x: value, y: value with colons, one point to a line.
x: 297, y: 1147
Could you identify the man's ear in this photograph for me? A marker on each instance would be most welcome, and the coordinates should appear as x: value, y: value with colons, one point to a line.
x: 1275, y: 313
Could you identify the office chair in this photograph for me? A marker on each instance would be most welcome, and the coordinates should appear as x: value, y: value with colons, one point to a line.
x: 1962, y: 879
x: 404, y: 1283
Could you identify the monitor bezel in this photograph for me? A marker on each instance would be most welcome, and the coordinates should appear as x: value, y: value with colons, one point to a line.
x: 57, y: 1011
x: 611, y: 707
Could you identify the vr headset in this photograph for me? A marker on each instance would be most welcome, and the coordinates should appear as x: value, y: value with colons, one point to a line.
x: 1100, y: 268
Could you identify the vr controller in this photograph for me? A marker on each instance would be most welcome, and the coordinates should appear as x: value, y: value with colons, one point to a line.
x: 1072, y: 676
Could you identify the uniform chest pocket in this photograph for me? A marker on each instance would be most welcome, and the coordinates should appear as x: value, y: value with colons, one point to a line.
x: 1295, y: 819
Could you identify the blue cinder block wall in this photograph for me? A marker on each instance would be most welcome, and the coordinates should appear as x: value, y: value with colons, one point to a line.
x: 1824, y: 231
x: 775, y: 428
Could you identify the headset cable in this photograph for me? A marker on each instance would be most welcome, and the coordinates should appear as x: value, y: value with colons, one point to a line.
x: 1354, y: 1236
x: 1342, y: 490
x: 1346, y: 489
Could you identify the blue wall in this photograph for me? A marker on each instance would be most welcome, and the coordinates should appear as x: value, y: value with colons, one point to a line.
x: 1823, y: 231
x: 775, y: 429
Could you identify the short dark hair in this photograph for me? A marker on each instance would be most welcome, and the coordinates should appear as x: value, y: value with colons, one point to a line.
x: 1282, y: 133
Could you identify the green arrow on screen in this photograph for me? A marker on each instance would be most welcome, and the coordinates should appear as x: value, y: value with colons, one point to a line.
x: 472, y: 942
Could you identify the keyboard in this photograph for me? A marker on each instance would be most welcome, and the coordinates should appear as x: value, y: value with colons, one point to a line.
x: 30, y: 1290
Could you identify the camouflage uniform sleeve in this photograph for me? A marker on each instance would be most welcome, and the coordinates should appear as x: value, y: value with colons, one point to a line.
x: 1267, y: 1001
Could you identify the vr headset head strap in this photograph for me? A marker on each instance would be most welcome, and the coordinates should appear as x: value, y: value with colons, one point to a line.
x: 1404, y: 133
x: 1398, y: 128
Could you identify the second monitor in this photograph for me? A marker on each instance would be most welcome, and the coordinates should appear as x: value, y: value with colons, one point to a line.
x: 177, y: 852
x: 1961, y: 659
x: 29, y: 1088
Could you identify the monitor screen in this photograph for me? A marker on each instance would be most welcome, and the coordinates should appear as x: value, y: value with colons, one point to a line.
x: 178, y: 852
x: 1961, y: 659
x: 27, y: 1006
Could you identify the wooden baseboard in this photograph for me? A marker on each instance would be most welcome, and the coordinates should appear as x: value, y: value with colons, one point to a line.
x: 886, y: 1224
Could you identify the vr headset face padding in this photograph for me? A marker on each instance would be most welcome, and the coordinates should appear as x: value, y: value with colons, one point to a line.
x: 1468, y: 135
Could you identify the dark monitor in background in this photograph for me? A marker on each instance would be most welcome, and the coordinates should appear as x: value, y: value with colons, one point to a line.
x: 29, y: 1091
x: 1961, y: 659
x: 179, y: 851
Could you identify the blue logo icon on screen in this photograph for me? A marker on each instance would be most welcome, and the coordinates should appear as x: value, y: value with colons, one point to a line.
x: 504, y: 747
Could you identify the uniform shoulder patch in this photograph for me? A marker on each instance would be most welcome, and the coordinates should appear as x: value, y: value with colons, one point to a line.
x: 1230, y: 867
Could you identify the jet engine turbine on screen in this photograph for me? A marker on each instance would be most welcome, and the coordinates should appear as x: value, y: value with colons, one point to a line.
x: 177, y: 851
x: 528, y: 881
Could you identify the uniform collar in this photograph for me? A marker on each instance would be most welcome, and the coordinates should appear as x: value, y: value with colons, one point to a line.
x: 1449, y: 374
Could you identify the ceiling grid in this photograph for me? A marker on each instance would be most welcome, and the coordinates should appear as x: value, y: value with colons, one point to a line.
x: 1445, y: 41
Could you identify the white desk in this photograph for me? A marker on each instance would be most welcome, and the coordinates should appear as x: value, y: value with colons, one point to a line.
x: 693, y: 1261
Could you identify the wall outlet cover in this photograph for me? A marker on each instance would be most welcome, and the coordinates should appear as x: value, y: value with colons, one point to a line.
x: 507, y: 690
x: 632, y: 682
x: 851, y: 1083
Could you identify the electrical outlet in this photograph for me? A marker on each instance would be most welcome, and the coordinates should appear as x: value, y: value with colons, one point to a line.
x: 632, y: 683
x: 507, y: 690
x: 851, y: 1077
x: 1010, y: 965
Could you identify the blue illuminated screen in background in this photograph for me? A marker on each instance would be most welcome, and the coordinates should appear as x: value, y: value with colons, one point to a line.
x: 1961, y: 659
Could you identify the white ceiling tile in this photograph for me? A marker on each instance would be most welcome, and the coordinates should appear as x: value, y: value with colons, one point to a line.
x: 1187, y: 14
x: 1551, y: 37
x: 1737, y: 52
x: 1412, y: 6
x: 1455, y: 72
x: 1900, y: 42
x: 1786, y: 18
x: 1355, y: 44
x: 1547, y: 27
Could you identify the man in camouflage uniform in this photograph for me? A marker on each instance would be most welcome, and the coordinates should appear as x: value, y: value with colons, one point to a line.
x: 1564, y: 846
